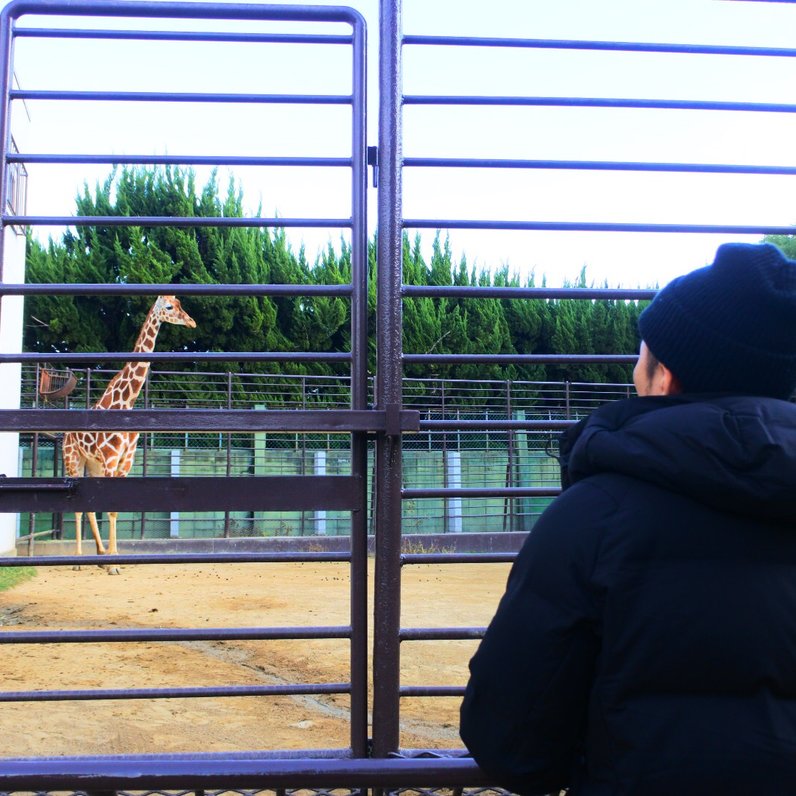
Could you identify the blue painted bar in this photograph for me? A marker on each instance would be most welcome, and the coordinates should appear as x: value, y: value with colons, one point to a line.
x: 143, y: 559
x: 192, y: 160
x: 195, y: 772
x: 595, y: 165
x: 177, y: 35
x: 600, y: 102
x: 158, y: 289
x: 181, y: 356
x: 542, y: 293
x: 176, y: 221
x: 604, y: 46
x: 527, y: 359
x: 597, y: 226
x: 170, y: 634
x: 157, y: 96
x: 198, y: 692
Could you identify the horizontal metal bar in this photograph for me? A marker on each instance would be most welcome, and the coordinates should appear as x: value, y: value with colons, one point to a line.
x: 596, y: 226
x: 495, y: 425
x: 174, y: 221
x: 594, y: 165
x: 526, y: 359
x: 610, y: 46
x: 167, y: 288
x: 144, y: 559
x: 162, y: 96
x: 224, y: 772
x: 200, y: 493
x: 441, y: 633
x: 431, y: 691
x: 28, y: 536
x: 186, y: 10
x: 200, y: 692
x: 601, y: 102
x: 507, y: 491
x: 543, y: 293
x: 334, y: 421
x: 172, y: 634
x: 194, y: 160
x: 89, y: 357
x: 181, y: 35
x: 457, y: 558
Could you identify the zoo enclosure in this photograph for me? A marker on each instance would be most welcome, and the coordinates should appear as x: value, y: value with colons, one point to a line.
x: 385, y: 423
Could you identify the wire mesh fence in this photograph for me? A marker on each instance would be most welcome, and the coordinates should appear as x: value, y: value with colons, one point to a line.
x: 467, y: 457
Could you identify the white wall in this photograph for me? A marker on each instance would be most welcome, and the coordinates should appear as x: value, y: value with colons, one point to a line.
x: 11, y: 373
x: 11, y: 307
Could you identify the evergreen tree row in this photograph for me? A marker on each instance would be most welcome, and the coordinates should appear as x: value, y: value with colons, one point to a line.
x: 248, y: 255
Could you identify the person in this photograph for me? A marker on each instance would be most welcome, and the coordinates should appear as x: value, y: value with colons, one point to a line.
x: 646, y: 640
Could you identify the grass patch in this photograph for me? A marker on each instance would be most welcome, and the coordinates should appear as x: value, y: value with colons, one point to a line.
x: 10, y: 576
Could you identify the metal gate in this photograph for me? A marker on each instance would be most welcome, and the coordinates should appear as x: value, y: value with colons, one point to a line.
x: 219, y: 25
x: 373, y: 759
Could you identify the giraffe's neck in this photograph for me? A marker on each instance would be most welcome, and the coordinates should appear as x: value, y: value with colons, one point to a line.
x: 124, y: 388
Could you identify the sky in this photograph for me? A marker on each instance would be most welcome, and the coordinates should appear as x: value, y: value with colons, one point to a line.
x: 618, y: 259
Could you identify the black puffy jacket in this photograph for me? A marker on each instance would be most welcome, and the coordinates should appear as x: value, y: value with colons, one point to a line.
x: 646, y: 642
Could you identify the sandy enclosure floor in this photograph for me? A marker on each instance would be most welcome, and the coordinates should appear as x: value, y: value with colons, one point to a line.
x: 239, y: 595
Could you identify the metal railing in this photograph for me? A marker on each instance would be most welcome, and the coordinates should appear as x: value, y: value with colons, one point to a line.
x: 492, y: 458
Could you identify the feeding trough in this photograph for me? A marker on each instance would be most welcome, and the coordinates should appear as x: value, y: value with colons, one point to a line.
x: 55, y: 384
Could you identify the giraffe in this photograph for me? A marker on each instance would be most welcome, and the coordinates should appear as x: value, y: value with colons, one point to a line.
x: 111, y: 453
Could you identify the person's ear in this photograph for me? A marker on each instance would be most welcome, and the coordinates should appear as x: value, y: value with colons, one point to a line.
x: 666, y: 382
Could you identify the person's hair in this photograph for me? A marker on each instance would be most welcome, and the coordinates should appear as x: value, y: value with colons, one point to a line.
x: 652, y: 364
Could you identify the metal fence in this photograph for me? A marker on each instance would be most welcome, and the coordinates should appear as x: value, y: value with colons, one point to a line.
x: 464, y: 458
x: 374, y: 757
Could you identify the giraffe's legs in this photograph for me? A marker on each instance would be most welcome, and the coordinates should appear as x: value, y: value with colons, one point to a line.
x: 95, y: 532
x: 112, y: 550
x: 92, y: 521
x: 101, y: 549
x: 74, y: 467
x: 78, y: 537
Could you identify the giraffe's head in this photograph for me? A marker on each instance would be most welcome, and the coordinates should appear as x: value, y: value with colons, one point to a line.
x: 167, y: 309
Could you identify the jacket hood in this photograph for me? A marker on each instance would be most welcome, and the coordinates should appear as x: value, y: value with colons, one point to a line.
x: 734, y: 453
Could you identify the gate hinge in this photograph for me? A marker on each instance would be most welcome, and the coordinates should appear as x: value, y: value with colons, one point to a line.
x: 373, y: 160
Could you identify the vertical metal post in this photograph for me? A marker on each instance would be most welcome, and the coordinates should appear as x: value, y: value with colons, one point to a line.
x: 359, y: 393
x: 58, y: 517
x: 34, y: 466
x: 6, y: 80
x: 302, y: 455
x: 387, y: 609
x: 509, y: 459
x: 445, y: 479
x: 145, y: 439
x: 229, y: 452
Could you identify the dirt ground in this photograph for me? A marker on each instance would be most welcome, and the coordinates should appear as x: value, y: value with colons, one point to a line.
x: 240, y: 595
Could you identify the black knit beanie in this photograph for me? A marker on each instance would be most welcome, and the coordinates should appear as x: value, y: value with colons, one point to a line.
x: 729, y: 327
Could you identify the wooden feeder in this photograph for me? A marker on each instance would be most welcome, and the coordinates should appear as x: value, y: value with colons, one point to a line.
x: 55, y: 384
